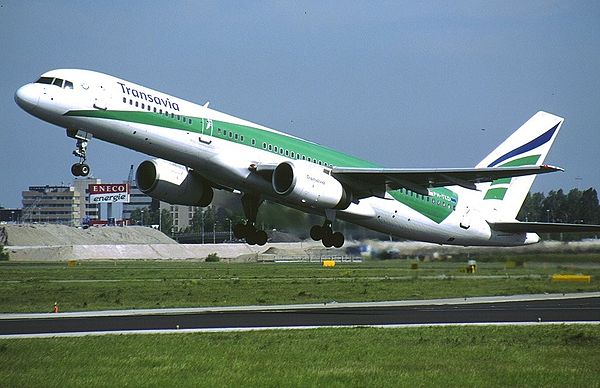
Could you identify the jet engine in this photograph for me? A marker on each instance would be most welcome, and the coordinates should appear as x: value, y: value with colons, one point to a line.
x: 310, y: 185
x: 173, y: 183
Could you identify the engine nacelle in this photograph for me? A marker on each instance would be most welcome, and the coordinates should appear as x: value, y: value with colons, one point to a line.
x: 307, y: 184
x: 173, y: 183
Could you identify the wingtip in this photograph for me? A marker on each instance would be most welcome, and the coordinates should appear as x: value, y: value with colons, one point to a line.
x: 550, y: 168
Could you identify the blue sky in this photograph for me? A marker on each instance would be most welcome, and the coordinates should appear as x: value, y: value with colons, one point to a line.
x: 403, y: 84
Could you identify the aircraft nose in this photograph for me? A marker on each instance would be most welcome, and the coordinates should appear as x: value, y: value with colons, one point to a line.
x: 27, y: 97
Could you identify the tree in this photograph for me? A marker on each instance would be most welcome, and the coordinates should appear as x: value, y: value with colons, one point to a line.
x: 153, y: 217
x: 532, y: 208
x: 166, y: 225
x: 590, y: 208
x: 575, y: 207
x: 206, y: 215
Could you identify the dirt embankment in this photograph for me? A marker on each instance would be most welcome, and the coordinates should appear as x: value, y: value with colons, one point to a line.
x: 49, y: 235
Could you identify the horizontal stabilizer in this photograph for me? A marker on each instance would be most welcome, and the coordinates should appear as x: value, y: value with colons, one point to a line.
x: 543, y: 227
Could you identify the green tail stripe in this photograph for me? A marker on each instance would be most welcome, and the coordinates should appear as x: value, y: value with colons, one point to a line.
x: 496, y: 193
x: 530, y: 160
x: 524, y: 161
x: 501, y: 181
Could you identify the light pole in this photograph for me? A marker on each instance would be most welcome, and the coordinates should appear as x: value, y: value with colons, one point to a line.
x: 215, y: 231
x: 142, y: 212
x: 229, y: 219
x: 202, y: 228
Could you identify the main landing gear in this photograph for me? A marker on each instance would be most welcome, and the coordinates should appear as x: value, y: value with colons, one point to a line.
x: 81, y: 168
x: 248, y: 230
x: 328, y: 237
x: 325, y: 233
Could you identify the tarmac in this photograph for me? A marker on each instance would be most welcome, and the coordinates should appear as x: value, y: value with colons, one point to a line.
x: 513, y: 310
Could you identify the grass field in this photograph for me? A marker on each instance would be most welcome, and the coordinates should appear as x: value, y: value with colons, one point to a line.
x: 491, y: 356
x: 34, y: 287
x: 488, y: 356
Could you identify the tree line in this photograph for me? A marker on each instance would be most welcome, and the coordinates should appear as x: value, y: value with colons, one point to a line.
x: 576, y: 206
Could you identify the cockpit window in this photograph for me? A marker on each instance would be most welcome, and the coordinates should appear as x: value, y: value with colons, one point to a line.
x: 55, y: 81
x: 44, y: 80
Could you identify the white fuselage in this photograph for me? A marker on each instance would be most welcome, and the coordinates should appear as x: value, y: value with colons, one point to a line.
x: 225, y: 161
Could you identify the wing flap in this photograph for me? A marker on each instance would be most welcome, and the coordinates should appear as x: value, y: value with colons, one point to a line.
x: 365, y: 181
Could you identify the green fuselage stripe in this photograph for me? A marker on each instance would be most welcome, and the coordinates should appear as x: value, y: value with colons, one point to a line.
x: 437, y: 207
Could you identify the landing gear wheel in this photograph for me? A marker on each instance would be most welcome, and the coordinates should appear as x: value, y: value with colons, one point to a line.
x: 84, y: 169
x: 250, y: 203
x: 239, y: 231
x: 328, y: 237
x: 255, y: 237
x: 337, y: 239
x: 261, y: 237
x: 80, y: 169
x: 316, y: 232
x: 76, y: 169
x: 250, y: 239
x: 328, y: 241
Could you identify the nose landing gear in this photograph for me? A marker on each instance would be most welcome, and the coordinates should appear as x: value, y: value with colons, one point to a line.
x: 81, y: 168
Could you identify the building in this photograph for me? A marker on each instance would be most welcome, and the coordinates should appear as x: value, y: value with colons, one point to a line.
x: 87, y: 210
x: 10, y: 215
x: 182, y: 215
x: 52, y: 204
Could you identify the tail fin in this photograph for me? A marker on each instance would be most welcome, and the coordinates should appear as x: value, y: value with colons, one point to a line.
x: 528, y: 145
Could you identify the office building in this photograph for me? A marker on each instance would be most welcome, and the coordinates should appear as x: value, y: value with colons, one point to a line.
x: 52, y: 204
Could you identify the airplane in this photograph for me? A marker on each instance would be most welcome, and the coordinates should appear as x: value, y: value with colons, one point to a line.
x: 198, y: 150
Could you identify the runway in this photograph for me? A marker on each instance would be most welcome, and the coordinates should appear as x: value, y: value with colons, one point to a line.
x: 497, y: 310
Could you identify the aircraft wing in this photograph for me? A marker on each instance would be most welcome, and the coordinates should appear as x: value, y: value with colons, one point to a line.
x: 543, y: 227
x: 365, y: 182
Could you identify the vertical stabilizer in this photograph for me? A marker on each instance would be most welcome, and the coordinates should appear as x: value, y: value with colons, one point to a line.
x: 527, y: 146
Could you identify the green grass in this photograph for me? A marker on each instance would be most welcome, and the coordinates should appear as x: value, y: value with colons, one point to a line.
x: 490, y: 356
x: 34, y: 287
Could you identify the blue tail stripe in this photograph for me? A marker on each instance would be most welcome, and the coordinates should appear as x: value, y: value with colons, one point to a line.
x: 538, y: 141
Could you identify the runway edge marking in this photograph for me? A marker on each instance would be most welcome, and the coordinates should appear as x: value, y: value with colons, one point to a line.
x: 249, y: 329
x: 312, y: 306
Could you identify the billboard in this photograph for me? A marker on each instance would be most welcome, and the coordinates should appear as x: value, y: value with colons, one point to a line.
x: 108, y: 192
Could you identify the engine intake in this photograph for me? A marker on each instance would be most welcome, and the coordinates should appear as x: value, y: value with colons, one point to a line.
x: 173, y: 183
x: 310, y: 185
